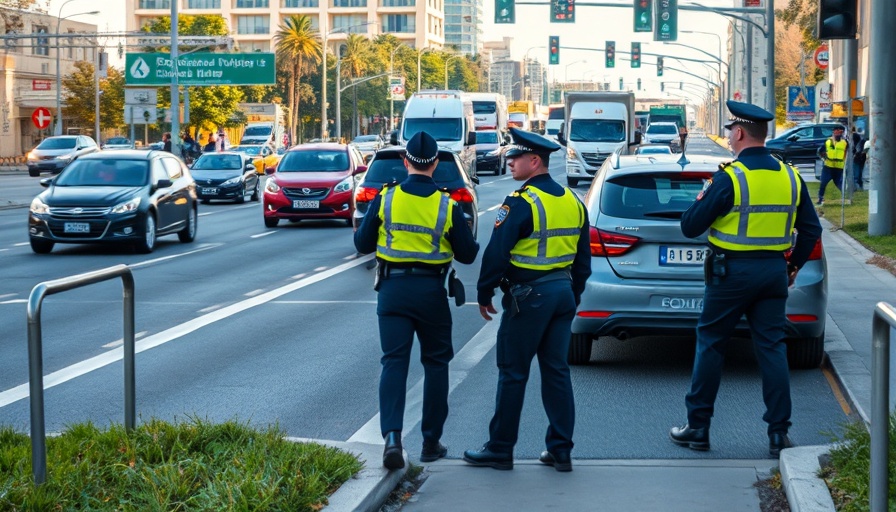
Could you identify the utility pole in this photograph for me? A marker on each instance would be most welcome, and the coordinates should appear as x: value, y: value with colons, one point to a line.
x: 881, y: 197
x: 175, y: 94
x: 770, y: 57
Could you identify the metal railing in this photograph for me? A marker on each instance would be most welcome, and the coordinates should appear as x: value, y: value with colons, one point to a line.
x: 884, y: 320
x: 35, y: 355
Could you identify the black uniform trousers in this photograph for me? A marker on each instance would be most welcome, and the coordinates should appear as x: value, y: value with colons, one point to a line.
x: 758, y: 288
x: 407, y: 305
x: 541, y: 327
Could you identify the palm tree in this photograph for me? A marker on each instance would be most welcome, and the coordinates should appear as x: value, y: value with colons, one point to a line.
x: 300, y: 45
x: 355, y: 61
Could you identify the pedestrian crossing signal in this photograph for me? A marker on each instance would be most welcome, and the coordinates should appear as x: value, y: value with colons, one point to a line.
x: 554, y: 50
x: 636, y: 55
x: 610, y: 54
x: 659, y: 66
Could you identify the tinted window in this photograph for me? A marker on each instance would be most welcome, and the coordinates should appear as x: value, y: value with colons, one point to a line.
x: 487, y: 137
x: 248, y: 150
x: 255, y: 131
x: 439, y: 128
x: 650, y: 196
x: 388, y: 167
x: 60, y: 143
x: 314, y: 161
x: 104, y: 173
x: 596, y: 130
x: 118, y: 140
x: 556, y: 113
x: 366, y: 138
x: 484, y: 107
x: 216, y: 161
x: 803, y: 133
x: 825, y: 132
x: 663, y: 129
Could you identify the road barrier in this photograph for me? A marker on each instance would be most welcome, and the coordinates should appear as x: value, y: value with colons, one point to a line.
x: 884, y: 320
x: 35, y: 355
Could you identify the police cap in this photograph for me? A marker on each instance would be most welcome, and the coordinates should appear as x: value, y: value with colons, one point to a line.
x: 746, y: 113
x: 528, y: 142
x: 422, y: 149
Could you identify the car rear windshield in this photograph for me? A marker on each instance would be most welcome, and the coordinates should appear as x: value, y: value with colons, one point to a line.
x: 651, y: 195
x: 217, y: 162
x: 596, y: 130
x: 654, y: 151
x: 61, y: 143
x: 441, y: 128
x: 487, y: 137
x: 387, y: 167
x: 255, y: 131
x: 484, y: 107
x: 313, y: 161
x: 662, y: 129
x: 104, y: 173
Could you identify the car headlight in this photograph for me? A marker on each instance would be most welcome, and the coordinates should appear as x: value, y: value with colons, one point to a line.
x: 232, y: 181
x: 344, y: 185
x: 127, y: 206
x: 571, y: 153
x: 31, y: 156
x: 271, y: 187
x: 39, y: 207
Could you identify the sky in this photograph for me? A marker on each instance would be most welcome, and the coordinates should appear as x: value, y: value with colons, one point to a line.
x: 110, y: 19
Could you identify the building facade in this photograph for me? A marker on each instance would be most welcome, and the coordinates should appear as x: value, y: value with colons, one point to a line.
x: 463, y: 26
x: 504, y: 75
x: 253, y: 23
x: 28, y: 74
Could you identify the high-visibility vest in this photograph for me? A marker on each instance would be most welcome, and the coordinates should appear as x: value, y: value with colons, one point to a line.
x: 764, y: 211
x: 835, y: 153
x: 557, y: 223
x: 413, y: 228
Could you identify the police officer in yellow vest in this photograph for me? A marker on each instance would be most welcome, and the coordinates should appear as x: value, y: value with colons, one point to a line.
x: 833, y: 154
x: 751, y: 208
x: 539, y: 255
x: 416, y: 230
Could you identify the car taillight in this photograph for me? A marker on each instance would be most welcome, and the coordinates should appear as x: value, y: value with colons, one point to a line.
x: 605, y: 243
x: 816, y: 254
x: 366, y: 194
x: 594, y: 314
x: 462, y: 195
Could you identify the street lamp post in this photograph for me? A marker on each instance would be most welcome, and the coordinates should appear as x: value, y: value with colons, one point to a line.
x: 449, y: 59
x: 391, y: 100
x: 323, y: 73
x: 58, y: 129
x: 419, y: 55
x: 722, y: 94
x: 566, y: 69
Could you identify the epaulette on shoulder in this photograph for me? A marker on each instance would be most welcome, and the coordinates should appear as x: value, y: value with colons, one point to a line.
x: 444, y: 189
x: 723, y: 165
x: 392, y: 183
x: 518, y: 192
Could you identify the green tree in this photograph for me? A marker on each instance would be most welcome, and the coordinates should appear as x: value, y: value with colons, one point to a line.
x: 25, y: 5
x: 804, y: 14
x: 300, y: 44
x: 355, y: 62
x: 80, y: 93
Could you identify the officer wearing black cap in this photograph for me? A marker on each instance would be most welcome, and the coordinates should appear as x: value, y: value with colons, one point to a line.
x: 416, y: 229
x: 539, y: 255
x: 751, y: 208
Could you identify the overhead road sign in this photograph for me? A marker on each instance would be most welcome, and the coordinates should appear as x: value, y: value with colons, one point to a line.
x: 666, y: 26
x: 200, y: 68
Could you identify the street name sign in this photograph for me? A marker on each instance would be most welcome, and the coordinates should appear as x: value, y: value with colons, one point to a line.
x: 200, y: 68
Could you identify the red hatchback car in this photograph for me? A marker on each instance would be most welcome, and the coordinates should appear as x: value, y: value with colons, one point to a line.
x: 313, y: 181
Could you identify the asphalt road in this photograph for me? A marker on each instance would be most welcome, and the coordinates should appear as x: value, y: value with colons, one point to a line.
x: 278, y: 326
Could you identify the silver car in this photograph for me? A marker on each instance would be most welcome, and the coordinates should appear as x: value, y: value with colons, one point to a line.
x: 647, y: 277
x: 53, y: 154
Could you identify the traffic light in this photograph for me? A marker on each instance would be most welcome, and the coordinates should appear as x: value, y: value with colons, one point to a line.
x: 837, y: 19
x: 563, y: 11
x: 659, y: 66
x: 662, y: 86
x: 554, y: 50
x: 620, y: 83
x: 639, y: 84
x: 505, y: 11
x: 610, y: 54
x: 643, y: 16
x: 636, y: 55
x: 666, y: 27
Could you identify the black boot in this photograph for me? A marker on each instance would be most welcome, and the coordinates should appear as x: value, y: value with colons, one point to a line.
x: 778, y: 441
x: 693, y: 438
x: 432, y: 451
x: 393, y: 458
x: 560, y: 460
x: 485, y: 457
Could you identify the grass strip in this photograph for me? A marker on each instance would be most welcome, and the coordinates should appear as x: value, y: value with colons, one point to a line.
x: 855, y: 218
x: 160, y: 466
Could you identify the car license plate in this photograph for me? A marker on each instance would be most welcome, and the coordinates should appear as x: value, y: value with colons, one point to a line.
x: 672, y: 255
x: 308, y: 205
x: 76, y: 227
x: 209, y: 191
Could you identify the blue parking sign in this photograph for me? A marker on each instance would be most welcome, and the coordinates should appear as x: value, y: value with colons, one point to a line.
x: 800, y: 103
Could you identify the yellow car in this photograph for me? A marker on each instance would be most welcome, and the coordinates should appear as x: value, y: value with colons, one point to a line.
x: 263, y: 155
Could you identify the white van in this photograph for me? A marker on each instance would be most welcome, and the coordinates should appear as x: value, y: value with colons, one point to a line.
x: 448, y: 117
x: 489, y: 111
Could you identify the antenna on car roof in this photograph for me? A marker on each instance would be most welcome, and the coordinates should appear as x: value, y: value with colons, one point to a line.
x: 682, y: 137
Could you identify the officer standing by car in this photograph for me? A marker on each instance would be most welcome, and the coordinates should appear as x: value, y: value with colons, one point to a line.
x: 833, y: 154
x: 750, y: 207
x: 416, y: 230
x: 539, y: 254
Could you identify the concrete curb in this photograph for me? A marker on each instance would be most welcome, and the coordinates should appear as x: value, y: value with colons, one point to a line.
x: 806, y: 492
x: 369, y: 488
x: 721, y: 141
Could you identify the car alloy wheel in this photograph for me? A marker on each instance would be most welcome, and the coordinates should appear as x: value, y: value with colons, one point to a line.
x: 148, y: 243
x: 188, y: 234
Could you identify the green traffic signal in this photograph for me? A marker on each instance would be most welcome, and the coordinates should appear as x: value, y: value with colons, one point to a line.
x: 636, y: 55
x: 610, y: 54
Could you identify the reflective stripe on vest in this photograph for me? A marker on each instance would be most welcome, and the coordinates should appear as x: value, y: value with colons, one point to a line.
x: 553, y: 242
x: 835, y: 153
x: 752, y: 227
x: 411, y: 238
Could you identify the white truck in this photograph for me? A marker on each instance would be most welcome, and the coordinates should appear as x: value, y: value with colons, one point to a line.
x: 596, y: 125
x: 265, y: 123
x: 489, y: 111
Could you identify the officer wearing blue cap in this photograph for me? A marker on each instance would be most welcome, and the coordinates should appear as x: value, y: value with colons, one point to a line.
x: 539, y: 255
x: 751, y: 208
x: 416, y: 229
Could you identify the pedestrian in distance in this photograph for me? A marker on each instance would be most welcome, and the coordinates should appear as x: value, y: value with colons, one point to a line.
x: 751, y: 207
x: 416, y: 230
x: 211, y: 145
x: 539, y: 255
x: 833, y: 153
x: 166, y: 142
x: 859, y: 155
x: 221, y: 141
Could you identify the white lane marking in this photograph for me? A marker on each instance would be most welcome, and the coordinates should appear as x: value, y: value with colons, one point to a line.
x: 226, y: 210
x: 324, y: 302
x: 490, y: 209
x: 253, y: 293
x: 299, y: 276
x: 21, y: 244
x: 68, y: 373
x: 465, y: 360
x: 5, y: 295
x: 211, y: 308
x: 120, y: 341
x: 3, y: 250
x: 266, y: 233
x: 350, y: 257
x: 203, y: 247
x: 320, y: 269
x: 14, y: 301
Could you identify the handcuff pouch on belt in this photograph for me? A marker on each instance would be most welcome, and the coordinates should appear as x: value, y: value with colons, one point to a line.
x: 456, y: 289
x: 715, y: 268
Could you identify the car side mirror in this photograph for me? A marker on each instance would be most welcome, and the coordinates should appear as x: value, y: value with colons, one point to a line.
x: 163, y: 183
x: 471, y: 139
x: 359, y: 169
x: 638, y: 137
x: 475, y: 179
x: 393, y: 139
x: 46, y: 182
x: 561, y: 137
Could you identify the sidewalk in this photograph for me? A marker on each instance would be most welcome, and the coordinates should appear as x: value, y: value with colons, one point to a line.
x: 677, y: 485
